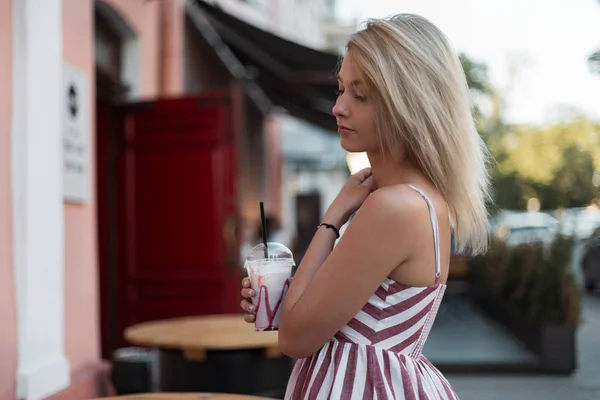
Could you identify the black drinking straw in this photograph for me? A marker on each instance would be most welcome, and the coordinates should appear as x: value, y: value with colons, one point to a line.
x: 264, y: 228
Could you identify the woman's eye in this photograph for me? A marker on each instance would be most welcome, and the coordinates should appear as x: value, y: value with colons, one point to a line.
x: 339, y: 92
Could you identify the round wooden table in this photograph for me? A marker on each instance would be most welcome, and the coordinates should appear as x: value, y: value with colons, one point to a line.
x: 214, y: 353
x: 196, y: 335
x: 185, y: 396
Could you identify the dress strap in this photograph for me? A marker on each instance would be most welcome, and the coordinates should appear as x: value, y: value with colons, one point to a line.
x: 436, y: 232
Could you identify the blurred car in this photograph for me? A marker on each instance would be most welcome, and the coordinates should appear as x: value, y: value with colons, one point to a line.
x: 520, y: 227
x: 580, y: 222
x: 590, y: 261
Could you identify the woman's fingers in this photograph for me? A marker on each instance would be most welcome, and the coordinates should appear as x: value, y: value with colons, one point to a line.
x: 246, y: 291
x: 247, y: 306
x: 368, y: 183
x: 250, y: 309
x: 363, y: 174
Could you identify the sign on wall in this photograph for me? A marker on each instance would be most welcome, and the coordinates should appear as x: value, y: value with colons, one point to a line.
x: 76, y: 135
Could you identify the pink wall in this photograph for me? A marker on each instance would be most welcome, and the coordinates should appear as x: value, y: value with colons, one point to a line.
x: 8, y: 332
x: 275, y: 164
x: 81, y: 268
x: 143, y: 17
x: 82, y: 329
x: 82, y: 343
x: 173, y: 52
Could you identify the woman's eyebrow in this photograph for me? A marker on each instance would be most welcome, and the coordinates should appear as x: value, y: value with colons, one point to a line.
x: 354, y: 83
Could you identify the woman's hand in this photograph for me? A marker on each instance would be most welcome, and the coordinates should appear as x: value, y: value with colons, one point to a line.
x: 246, y: 305
x: 356, y: 190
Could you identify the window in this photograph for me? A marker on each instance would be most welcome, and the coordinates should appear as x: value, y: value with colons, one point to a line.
x: 108, y: 49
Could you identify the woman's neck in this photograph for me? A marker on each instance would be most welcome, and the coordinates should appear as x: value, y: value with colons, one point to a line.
x: 387, y: 171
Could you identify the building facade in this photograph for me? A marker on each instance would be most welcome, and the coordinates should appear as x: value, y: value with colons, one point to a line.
x: 61, y: 61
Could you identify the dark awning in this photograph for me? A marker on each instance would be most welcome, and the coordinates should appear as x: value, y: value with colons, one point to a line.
x: 300, y: 79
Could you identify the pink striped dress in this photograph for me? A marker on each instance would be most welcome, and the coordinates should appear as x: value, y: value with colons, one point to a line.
x: 378, y: 354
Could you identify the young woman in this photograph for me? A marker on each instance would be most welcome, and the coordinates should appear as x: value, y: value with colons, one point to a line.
x: 357, y: 316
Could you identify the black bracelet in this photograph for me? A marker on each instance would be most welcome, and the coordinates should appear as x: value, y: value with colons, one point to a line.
x: 333, y: 228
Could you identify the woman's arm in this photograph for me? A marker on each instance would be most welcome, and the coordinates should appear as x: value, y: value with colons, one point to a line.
x: 331, y: 286
x: 358, y: 187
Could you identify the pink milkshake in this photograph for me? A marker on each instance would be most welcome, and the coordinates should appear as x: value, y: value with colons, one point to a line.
x: 270, y: 279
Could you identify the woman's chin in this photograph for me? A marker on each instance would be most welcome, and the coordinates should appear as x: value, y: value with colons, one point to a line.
x: 349, y: 146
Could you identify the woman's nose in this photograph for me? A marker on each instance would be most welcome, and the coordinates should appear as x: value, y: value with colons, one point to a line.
x: 339, y: 109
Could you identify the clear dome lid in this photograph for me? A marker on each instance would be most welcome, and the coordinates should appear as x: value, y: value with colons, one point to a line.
x: 274, y: 251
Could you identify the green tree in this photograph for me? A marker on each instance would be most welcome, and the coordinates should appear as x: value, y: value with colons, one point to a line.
x: 492, y: 128
x: 476, y: 74
x: 556, y: 164
x: 573, y: 181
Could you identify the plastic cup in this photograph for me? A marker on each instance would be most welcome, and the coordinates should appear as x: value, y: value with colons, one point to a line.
x: 270, y: 280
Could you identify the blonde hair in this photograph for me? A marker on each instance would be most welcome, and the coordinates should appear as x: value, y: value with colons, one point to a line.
x: 423, y: 107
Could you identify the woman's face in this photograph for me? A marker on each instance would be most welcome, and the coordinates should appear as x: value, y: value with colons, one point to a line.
x: 354, y: 110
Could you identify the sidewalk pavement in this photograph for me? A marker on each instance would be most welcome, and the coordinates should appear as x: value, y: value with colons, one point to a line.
x: 584, y: 384
x: 464, y: 340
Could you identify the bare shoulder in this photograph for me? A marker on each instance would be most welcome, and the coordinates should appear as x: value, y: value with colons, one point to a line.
x: 404, y: 219
x: 388, y: 221
x: 398, y: 203
x: 389, y: 227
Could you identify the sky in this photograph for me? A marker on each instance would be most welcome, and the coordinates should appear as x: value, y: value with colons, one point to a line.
x: 546, y: 41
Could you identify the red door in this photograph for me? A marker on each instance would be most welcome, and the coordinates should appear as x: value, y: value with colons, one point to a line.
x: 177, y: 209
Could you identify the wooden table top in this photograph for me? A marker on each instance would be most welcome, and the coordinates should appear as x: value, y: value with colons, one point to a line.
x: 184, y: 396
x: 201, y: 333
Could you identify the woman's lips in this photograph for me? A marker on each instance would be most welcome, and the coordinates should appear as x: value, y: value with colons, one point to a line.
x: 344, y: 130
